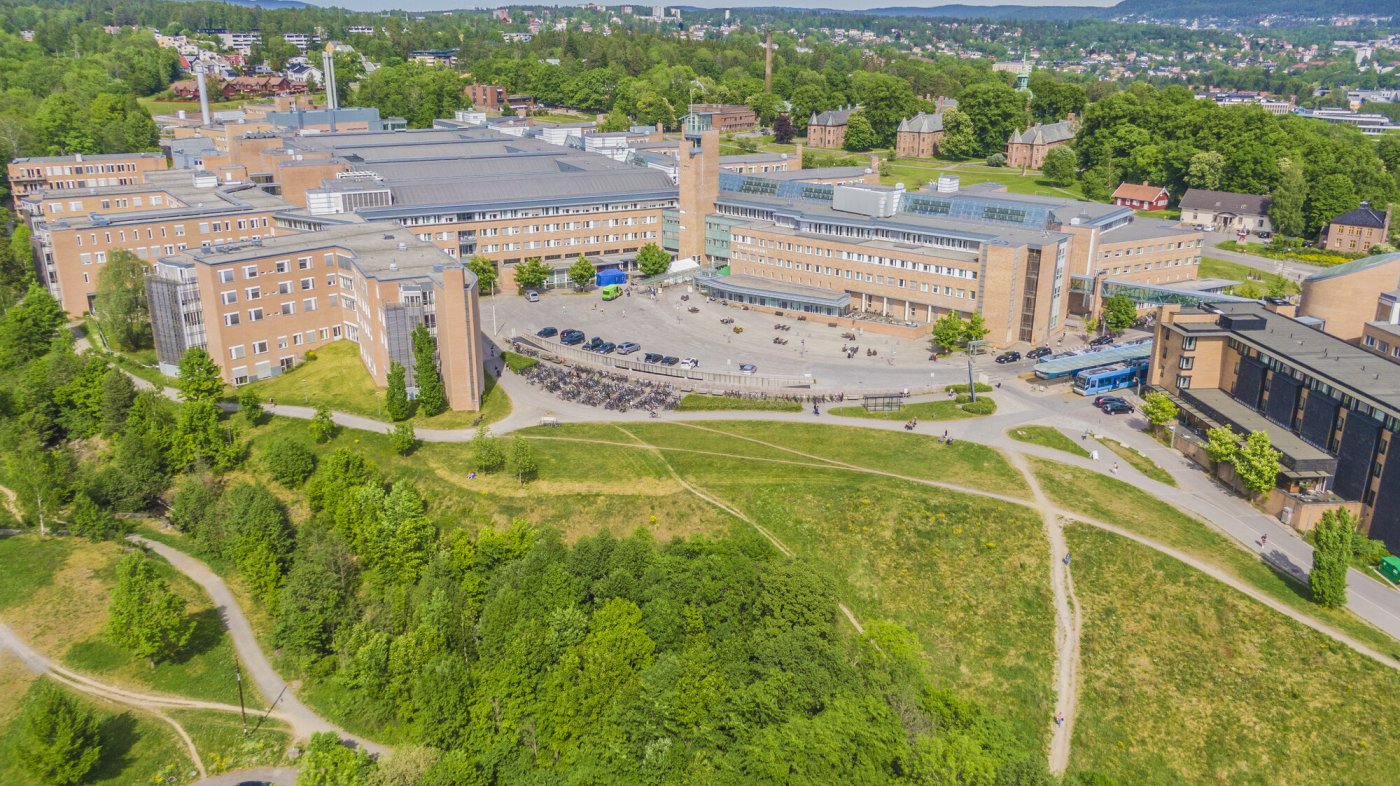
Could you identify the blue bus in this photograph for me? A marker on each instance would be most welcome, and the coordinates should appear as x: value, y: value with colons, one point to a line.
x: 1103, y: 379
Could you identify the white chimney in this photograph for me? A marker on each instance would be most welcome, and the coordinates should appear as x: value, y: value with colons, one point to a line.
x: 328, y: 67
x: 203, y: 98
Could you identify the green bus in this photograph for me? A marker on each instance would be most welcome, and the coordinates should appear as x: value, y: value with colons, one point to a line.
x: 612, y: 291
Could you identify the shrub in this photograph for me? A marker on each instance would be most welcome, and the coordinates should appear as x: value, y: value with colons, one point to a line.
x: 982, y: 406
x: 963, y: 398
x: 519, y: 363
x: 403, y: 439
x: 996, y: 159
x: 289, y: 462
x: 982, y: 387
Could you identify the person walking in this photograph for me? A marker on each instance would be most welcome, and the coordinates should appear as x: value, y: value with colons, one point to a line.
x: 1263, y: 540
x: 1066, y: 560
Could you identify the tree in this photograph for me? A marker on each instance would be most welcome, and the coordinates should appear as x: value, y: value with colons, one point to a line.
x: 415, y: 92
x: 860, y: 137
x: 766, y: 106
x: 976, y: 328
x: 1158, y: 408
x: 120, y: 303
x: 653, y: 260
x: 91, y: 521
x: 783, y: 130
x: 1329, y: 198
x: 322, y: 426
x: 1205, y: 170
x: 884, y: 101
x: 485, y: 271
x: 147, y: 617
x: 996, y: 111
x: 1334, y: 540
x: 118, y: 394
x: 948, y: 331
x: 615, y: 120
x: 1256, y: 463
x: 328, y: 763
x: 531, y: 274
x: 61, y: 741
x: 403, y: 439
x: 289, y: 461
x: 198, y: 438
x: 250, y: 405
x: 29, y: 327
x: 199, y: 376
x: 396, y: 403
x: 487, y: 455
x: 1289, y: 198
x: 1061, y: 165
x: 522, y: 461
x: 959, y: 136
x: 432, y: 397
x: 1119, y: 313
x: 1222, y: 445
x: 582, y: 273
x: 997, y: 159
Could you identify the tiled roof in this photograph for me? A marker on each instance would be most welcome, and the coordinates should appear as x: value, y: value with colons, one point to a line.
x: 1244, y: 204
x: 922, y: 123
x: 831, y: 117
x: 1364, y: 216
x: 1143, y: 191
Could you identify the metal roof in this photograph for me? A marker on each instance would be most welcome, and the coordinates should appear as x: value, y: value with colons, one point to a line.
x: 1058, y: 366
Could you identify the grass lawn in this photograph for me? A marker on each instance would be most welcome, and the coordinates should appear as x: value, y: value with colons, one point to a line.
x: 55, y: 595
x: 137, y: 749
x: 1187, y: 681
x: 914, y: 173
x: 699, y: 402
x: 1115, y: 502
x: 1047, y: 437
x: 222, y: 746
x: 966, y: 575
x: 191, y: 107
x: 337, y: 379
x: 1212, y: 267
x: 913, y: 455
x: 560, y: 117
x: 1138, y: 461
x: 924, y: 410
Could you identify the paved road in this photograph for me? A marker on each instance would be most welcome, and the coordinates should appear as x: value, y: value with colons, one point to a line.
x: 282, y: 776
x: 1296, y: 271
x: 303, y: 720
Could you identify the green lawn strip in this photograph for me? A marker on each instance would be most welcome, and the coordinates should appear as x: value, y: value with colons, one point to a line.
x: 1047, y: 437
x: 703, y: 437
x: 1306, y: 256
x: 967, y: 575
x: 915, y: 455
x: 337, y: 379
x: 915, y: 173
x: 1186, y: 681
x: 137, y: 749
x: 30, y: 563
x: 219, y: 738
x: 947, y: 409
x: 1138, y: 461
x: 1115, y: 502
x: 698, y: 402
x: 1212, y: 267
x: 157, y: 107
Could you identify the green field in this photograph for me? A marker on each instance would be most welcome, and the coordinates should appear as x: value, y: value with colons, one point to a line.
x: 947, y: 409
x: 914, y: 173
x: 1047, y: 437
x: 1186, y: 681
x: 191, y: 108
x: 1211, y: 267
x: 55, y: 593
x: 699, y: 402
x: 1138, y: 461
x: 337, y: 379
x: 1116, y: 502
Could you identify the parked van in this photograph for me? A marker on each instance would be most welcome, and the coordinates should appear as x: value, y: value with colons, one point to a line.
x: 612, y: 291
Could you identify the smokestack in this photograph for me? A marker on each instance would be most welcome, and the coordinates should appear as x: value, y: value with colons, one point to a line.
x: 203, y: 98
x: 768, y: 63
x: 328, y: 66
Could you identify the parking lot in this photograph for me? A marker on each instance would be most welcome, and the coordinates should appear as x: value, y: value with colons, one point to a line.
x: 665, y: 325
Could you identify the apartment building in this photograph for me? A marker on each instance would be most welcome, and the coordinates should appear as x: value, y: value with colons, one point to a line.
x: 173, y: 210
x: 1357, y: 230
x: 1340, y: 299
x: 1331, y: 408
x: 259, y: 306
x: 724, y: 118
x: 55, y: 173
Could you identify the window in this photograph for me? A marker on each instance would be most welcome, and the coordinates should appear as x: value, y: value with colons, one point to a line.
x: 288, y: 309
x: 225, y: 276
x: 283, y: 266
x: 1370, y: 341
x: 1188, y: 343
x: 255, y: 315
x: 259, y: 347
x: 250, y: 271
x: 308, y: 304
x: 231, y: 319
x: 1183, y: 382
x: 284, y: 287
x: 308, y: 283
x: 1186, y: 363
x: 253, y: 293
x: 236, y: 352
x: 228, y: 298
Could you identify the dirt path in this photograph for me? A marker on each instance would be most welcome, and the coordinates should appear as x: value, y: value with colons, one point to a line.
x: 11, y: 502
x: 1068, y: 625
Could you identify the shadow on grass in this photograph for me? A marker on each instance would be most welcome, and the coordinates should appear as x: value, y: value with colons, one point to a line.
x: 119, y: 734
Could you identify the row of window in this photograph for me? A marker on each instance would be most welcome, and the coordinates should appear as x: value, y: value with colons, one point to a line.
x: 240, y: 351
x: 1140, y: 250
x: 178, y: 230
x: 497, y: 215
x: 562, y: 242
x: 1382, y: 346
x: 855, y: 256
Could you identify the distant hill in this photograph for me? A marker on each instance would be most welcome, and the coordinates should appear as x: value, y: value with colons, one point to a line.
x: 995, y: 11
x: 1245, y: 9
x: 272, y: 5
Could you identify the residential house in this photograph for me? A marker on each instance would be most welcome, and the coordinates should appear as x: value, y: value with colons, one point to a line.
x: 1224, y: 210
x: 1357, y: 230
x: 1142, y: 196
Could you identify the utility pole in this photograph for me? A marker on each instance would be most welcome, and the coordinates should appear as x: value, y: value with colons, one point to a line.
x: 971, y: 385
x: 242, y: 710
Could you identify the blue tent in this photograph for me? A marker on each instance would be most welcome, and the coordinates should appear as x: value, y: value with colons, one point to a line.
x: 606, y: 277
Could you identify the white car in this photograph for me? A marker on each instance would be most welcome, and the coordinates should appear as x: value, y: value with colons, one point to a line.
x: 690, y: 363
x: 748, y: 368
x: 531, y: 296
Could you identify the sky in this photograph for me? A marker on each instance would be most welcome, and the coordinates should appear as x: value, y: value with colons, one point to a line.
x: 443, y: 5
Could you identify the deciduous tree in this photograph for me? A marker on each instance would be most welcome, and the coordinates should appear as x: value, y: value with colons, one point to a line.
x: 653, y: 260
x: 120, y: 303
x: 1289, y: 198
x: 60, y: 742
x: 289, y: 461
x: 432, y: 397
x: 531, y: 274
x: 1119, y: 313
x: 1257, y: 463
x: 485, y: 271
x: 1158, y: 408
x: 403, y: 439
x: 396, y: 403
x: 1334, y: 541
x: 1061, y: 165
x: 783, y: 130
x: 582, y: 273
x: 1221, y: 444
x: 147, y: 617
x: 322, y: 426
x: 199, y: 376
x: 860, y: 137
x: 996, y: 111
x: 487, y: 455
x: 521, y: 462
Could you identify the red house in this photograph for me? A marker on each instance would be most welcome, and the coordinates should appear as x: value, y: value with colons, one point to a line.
x: 1141, y: 197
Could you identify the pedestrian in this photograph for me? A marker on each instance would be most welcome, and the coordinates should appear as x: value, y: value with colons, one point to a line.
x: 945, y: 436
x: 1059, y: 719
x: 1115, y: 468
x: 1264, y: 540
x: 1066, y: 557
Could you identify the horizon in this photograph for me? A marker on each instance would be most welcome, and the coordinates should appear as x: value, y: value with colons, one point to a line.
x: 833, y: 5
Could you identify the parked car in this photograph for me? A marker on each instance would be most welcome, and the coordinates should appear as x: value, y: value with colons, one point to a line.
x: 748, y: 368
x: 1265, y: 234
x: 670, y: 360
x: 1203, y: 228
x: 1038, y: 353
x: 651, y: 357
x: 1009, y: 357
x: 606, y: 348
x: 593, y: 344
x: 628, y: 347
x: 1117, y: 408
x: 571, y: 337
x: 1101, y: 400
x: 531, y: 296
x: 547, y: 332
x: 690, y: 363
x: 1101, y: 341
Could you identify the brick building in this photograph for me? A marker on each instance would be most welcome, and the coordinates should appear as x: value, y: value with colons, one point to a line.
x: 1357, y: 230
x: 1027, y: 149
x: 919, y: 136
x: 724, y: 118
x: 58, y: 173
x: 828, y: 129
